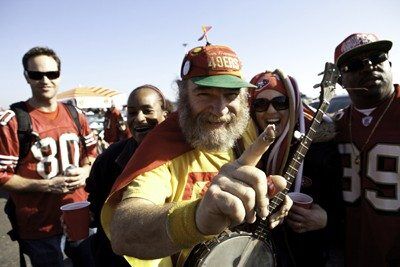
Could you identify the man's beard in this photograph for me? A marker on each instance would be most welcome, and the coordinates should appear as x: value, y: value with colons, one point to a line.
x: 199, y: 136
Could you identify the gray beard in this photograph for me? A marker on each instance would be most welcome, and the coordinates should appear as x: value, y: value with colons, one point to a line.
x: 215, y: 140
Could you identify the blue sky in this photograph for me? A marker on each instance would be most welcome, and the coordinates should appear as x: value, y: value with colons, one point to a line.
x: 123, y: 44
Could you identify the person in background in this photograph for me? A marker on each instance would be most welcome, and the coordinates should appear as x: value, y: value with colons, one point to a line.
x: 369, y: 141
x: 190, y: 170
x: 307, y: 235
x: 43, y: 180
x: 115, y: 128
x: 146, y: 108
x: 170, y: 106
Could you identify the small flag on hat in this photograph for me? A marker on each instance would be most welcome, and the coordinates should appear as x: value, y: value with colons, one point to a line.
x: 205, y: 30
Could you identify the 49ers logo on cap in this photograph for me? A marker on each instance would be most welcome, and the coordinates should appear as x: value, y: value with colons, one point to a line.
x: 262, y: 83
x: 210, y: 60
x: 223, y: 62
x: 357, y: 40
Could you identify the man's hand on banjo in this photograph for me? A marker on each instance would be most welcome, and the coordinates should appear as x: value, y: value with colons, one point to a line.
x: 240, y: 191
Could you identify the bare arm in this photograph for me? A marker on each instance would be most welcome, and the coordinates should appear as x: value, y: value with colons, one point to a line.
x: 56, y: 185
x: 239, y: 191
x: 138, y: 229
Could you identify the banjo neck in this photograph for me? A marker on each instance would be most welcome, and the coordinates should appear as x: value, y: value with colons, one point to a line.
x: 298, y: 157
x: 292, y: 169
x: 250, y: 244
x: 327, y: 85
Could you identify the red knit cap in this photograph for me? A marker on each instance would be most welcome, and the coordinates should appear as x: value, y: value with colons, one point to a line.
x: 266, y: 81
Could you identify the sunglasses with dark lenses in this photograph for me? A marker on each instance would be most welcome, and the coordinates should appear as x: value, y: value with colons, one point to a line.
x: 359, y: 64
x: 279, y: 103
x: 37, y: 75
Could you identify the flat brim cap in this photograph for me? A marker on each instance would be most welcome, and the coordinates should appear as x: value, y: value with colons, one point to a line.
x: 358, y: 43
x: 222, y: 81
x: 213, y: 66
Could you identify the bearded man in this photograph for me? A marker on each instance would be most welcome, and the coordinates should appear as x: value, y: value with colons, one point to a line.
x: 189, y: 181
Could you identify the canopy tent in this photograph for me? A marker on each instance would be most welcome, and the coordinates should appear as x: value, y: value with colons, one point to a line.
x: 92, y: 97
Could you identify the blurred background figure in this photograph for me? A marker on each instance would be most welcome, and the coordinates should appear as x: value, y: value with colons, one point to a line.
x: 115, y: 128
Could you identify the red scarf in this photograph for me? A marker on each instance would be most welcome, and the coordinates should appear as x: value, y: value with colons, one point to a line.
x: 152, y: 153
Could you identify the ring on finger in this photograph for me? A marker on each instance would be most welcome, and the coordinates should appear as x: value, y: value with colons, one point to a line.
x: 267, y: 138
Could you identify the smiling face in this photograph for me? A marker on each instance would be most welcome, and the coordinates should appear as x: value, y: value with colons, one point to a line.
x: 144, y: 112
x: 45, y: 89
x: 212, y: 118
x: 272, y: 116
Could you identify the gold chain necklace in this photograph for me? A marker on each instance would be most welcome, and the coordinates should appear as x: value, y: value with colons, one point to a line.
x: 357, y: 159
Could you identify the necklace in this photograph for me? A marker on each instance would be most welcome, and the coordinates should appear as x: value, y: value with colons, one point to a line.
x: 357, y: 159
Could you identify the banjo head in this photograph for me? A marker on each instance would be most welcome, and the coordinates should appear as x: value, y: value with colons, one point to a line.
x: 227, y: 250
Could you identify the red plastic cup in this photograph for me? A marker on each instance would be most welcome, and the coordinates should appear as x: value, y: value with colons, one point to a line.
x: 76, y: 218
x: 300, y: 199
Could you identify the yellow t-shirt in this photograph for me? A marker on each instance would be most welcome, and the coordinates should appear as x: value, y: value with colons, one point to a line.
x: 181, y: 178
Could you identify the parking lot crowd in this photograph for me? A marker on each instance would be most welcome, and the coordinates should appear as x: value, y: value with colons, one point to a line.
x: 161, y: 178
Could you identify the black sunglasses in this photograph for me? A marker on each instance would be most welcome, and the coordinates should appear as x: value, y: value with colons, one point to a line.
x: 358, y: 64
x: 37, y: 75
x: 279, y: 103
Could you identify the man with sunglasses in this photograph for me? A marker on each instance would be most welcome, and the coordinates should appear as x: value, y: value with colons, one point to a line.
x: 189, y: 180
x: 42, y: 180
x: 369, y: 141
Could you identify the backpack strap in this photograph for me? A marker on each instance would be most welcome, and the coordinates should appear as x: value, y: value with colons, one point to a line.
x: 25, y: 133
x: 75, y: 116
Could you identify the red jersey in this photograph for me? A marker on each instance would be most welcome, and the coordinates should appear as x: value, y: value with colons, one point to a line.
x: 372, y: 183
x: 58, y: 147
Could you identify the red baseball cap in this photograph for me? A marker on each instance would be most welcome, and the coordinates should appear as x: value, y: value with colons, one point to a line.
x: 213, y: 66
x: 357, y: 43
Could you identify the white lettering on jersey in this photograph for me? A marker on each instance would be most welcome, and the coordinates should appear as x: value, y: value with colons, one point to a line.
x: 384, y: 177
x: 391, y: 178
x: 351, y: 173
x: 65, y: 139
x: 45, y: 152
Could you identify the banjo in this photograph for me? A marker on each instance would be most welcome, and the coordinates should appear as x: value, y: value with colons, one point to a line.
x: 251, y: 244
